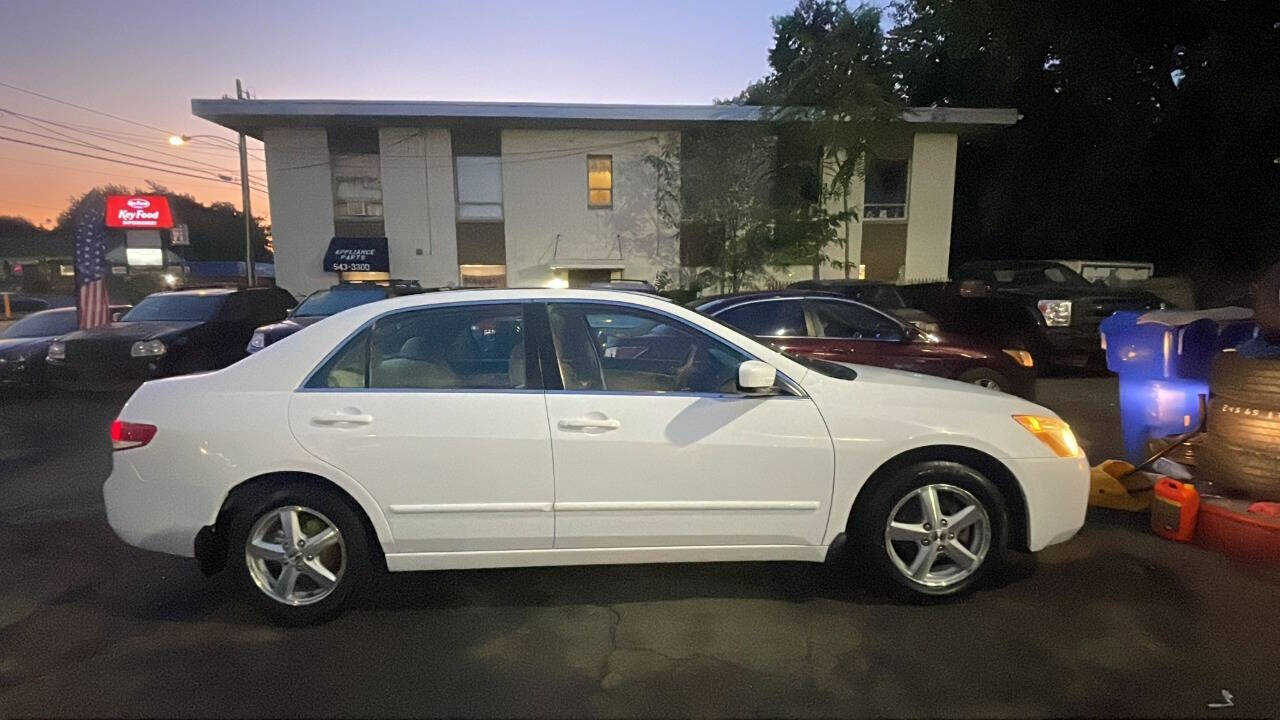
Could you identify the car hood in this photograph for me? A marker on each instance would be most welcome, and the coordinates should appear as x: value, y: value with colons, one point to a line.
x: 1077, y: 292
x: 15, y: 346
x: 132, y: 331
x: 916, y: 381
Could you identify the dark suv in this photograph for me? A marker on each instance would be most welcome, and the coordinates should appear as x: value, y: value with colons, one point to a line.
x: 330, y: 301
x: 167, y: 333
x: 1066, y: 308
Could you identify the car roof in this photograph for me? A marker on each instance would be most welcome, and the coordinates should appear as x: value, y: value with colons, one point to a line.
x: 839, y: 282
x: 1010, y: 264
x: 720, y: 301
x: 198, y: 291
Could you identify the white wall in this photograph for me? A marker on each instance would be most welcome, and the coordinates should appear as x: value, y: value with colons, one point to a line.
x: 418, y: 204
x: 930, y: 199
x: 544, y: 176
x: 301, y: 206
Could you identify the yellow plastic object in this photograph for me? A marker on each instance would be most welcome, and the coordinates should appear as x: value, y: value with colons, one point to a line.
x: 1107, y: 490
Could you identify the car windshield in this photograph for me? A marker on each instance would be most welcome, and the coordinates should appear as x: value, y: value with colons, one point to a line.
x: 331, y: 302
x: 43, y: 324
x: 1047, y: 274
x: 159, y: 308
x: 885, y: 297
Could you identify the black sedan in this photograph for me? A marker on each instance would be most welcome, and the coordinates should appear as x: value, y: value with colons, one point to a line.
x: 323, y: 303
x: 167, y: 333
x: 24, y: 344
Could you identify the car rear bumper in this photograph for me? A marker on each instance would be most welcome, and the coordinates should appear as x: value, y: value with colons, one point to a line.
x: 1057, y: 493
x: 152, y: 515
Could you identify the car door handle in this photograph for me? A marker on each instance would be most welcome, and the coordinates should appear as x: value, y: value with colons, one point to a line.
x: 587, y: 423
x: 342, y: 419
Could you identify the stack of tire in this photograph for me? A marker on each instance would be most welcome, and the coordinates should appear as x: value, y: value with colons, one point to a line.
x: 1241, y: 452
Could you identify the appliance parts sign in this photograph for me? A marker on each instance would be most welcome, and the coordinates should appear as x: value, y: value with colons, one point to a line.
x: 138, y: 211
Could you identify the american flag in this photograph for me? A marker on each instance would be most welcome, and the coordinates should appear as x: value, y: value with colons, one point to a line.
x: 91, y: 262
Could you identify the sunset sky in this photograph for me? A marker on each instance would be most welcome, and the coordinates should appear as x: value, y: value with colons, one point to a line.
x: 144, y: 61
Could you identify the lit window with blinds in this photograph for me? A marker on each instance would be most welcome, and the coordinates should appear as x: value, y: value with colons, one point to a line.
x: 599, y: 181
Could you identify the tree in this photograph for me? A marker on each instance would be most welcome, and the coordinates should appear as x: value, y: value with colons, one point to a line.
x: 714, y: 187
x: 216, y: 231
x: 1149, y: 129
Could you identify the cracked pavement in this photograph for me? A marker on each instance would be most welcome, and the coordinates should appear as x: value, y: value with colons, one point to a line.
x: 1116, y: 622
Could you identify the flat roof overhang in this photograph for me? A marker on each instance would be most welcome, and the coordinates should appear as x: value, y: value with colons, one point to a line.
x: 251, y: 116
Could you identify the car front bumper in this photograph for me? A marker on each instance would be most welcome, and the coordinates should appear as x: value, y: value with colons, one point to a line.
x: 1057, y: 493
x: 1074, y: 346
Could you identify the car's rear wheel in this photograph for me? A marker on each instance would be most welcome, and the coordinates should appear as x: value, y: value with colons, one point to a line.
x: 298, y: 553
x: 936, y: 528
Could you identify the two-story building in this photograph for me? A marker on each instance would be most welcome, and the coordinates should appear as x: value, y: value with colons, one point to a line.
x: 533, y: 194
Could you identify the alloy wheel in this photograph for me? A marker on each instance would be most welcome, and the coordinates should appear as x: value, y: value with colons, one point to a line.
x: 988, y: 383
x: 937, y: 535
x: 296, y: 555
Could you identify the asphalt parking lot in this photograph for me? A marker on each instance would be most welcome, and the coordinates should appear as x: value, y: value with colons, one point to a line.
x: 1114, y: 623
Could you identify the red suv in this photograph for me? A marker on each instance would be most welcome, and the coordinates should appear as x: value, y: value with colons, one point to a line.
x: 830, y: 327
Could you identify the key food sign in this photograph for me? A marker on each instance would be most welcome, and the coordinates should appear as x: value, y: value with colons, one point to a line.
x: 139, y: 212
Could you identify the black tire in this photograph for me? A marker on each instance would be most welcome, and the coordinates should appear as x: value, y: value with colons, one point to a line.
x: 1244, y: 425
x: 1253, y: 380
x: 357, y: 560
x: 985, y: 377
x: 1266, y: 304
x: 868, y: 527
x: 1238, y: 470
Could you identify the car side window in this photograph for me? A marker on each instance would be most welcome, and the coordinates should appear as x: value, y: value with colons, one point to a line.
x: 620, y: 349
x: 348, y: 368
x: 237, y: 308
x: 767, y: 318
x: 472, y: 347
x: 852, y: 321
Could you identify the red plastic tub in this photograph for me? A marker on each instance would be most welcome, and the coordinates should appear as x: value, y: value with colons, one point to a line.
x: 1227, y: 526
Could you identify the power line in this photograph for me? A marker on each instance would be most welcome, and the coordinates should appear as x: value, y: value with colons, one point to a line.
x: 86, y: 109
x: 44, y: 124
x: 121, y: 162
x: 94, y: 171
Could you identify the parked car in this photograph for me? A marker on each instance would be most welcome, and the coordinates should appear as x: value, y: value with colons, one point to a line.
x: 24, y: 344
x: 877, y: 294
x: 500, y: 428
x: 832, y: 327
x: 1066, y: 307
x: 167, y: 333
x: 323, y: 303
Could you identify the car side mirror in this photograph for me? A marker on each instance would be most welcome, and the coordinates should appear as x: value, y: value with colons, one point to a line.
x: 115, y: 316
x: 756, y: 377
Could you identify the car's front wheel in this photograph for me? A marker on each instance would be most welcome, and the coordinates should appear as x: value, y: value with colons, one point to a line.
x: 298, y: 553
x: 936, y: 528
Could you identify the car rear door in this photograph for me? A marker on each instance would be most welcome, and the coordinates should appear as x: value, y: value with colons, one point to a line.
x: 655, y: 447
x: 433, y: 412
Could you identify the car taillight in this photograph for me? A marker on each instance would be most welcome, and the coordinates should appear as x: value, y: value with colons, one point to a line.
x: 125, y: 435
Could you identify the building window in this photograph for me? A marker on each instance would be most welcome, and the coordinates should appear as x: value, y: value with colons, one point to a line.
x: 479, y: 187
x: 886, y: 193
x: 599, y: 181
x: 357, y: 183
x: 483, y: 276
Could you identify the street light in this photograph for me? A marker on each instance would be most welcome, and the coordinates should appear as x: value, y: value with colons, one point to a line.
x: 250, y: 272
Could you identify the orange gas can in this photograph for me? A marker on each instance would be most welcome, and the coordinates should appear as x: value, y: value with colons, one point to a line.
x: 1174, y: 508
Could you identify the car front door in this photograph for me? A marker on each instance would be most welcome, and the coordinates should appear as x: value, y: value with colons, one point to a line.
x: 433, y: 412
x: 655, y: 447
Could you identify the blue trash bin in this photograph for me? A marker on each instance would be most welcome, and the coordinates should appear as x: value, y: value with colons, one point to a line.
x: 1163, y: 360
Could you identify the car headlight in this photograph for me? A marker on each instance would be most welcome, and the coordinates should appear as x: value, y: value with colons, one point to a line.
x: 1022, y: 357
x: 258, y: 341
x: 57, y: 350
x: 147, y: 348
x: 1056, y: 313
x: 1054, y: 433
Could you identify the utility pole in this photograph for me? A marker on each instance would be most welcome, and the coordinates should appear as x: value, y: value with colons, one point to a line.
x: 250, y: 272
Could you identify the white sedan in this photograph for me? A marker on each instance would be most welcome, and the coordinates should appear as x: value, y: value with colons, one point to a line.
x: 560, y: 427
